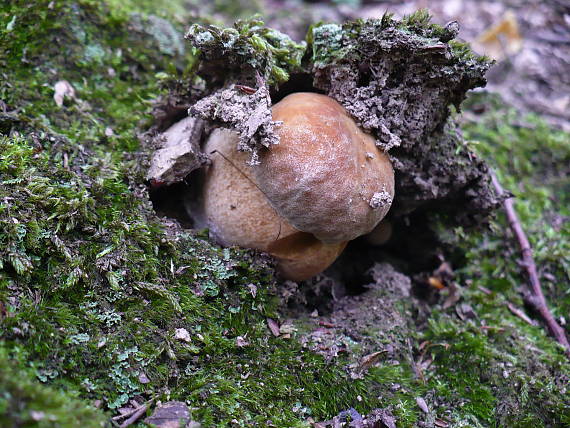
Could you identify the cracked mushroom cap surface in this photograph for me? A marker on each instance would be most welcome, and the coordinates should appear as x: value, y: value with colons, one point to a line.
x: 326, y: 176
x: 237, y: 212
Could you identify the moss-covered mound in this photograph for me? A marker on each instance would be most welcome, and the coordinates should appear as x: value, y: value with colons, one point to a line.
x: 97, y: 293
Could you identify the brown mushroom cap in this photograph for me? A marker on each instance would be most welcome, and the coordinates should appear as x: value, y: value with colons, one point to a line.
x: 238, y: 213
x: 326, y: 176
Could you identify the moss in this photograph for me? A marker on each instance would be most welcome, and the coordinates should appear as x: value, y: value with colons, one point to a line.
x: 93, y: 285
x: 249, y: 44
x: 25, y: 402
x: 508, y: 373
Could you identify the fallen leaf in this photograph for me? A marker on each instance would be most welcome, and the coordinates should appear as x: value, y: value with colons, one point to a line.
x: 501, y: 40
x: 369, y: 360
x: 37, y: 415
x: 241, y: 342
x: 274, y: 327
x: 465, y: 312
x: 453, y: 297
x: 63, y: 89
x: 327, y: 324
x: 422, y: 404
x: 143, y: 378
x: 182, y: 334
x: 252, y: 290
x: 172, y: 414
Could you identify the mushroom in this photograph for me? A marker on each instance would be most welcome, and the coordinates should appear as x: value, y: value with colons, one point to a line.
x: 237, y: 212
x: 324, y: 184
x: 326, y: 176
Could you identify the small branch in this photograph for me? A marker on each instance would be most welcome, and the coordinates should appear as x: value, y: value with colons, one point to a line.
x: 139, y: 412
x: 536, y: 298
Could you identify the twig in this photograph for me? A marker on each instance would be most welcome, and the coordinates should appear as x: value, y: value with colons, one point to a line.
x: 135, y: 416
x: 516, y: 311
x: 132, y: 412
x: 536, y: 298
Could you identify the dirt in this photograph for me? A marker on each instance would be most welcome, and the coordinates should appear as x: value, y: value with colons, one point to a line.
x: 367, y: 319
x: 247, y: 113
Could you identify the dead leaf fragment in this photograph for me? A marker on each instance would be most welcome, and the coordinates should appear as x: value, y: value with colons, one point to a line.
x: 252, y: 290
x: 37, y: 415
x: 369, y: 360
x: 501, y: 40
x: 63, y: 89
x: 422, y: 404
x: 274, y: 327
x: 241, y: 341
x: 436, y: 283
x: 182, y: 334
x: 465, y: 312
x: 143, y: 378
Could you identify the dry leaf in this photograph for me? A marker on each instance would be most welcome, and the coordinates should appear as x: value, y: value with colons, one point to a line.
x: 274, y: 327
x: 63, y: 89
x: 171, y: 415
x: 501, y: 40
x: 436, y: 283
x: 182, y: 334
x: 422, y: 404
x: 241, y: 342
x: 252, y: 290
x: 369, y: 360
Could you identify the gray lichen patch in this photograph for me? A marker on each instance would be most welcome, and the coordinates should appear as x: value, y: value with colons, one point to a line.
x: 247, y: 113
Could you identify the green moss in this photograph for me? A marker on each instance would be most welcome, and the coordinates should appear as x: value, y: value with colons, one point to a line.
x: 250, y: 43
x: 93, y: 285
x: 509, y: 373
x: 25, y: 402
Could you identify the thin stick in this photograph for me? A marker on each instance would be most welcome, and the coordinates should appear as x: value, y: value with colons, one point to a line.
x: 536, y: 298
x: 135, y: 416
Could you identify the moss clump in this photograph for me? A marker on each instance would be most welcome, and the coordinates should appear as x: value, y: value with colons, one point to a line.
x: 503, y: 370
x: 250, y: 44
x: 24, y: 402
